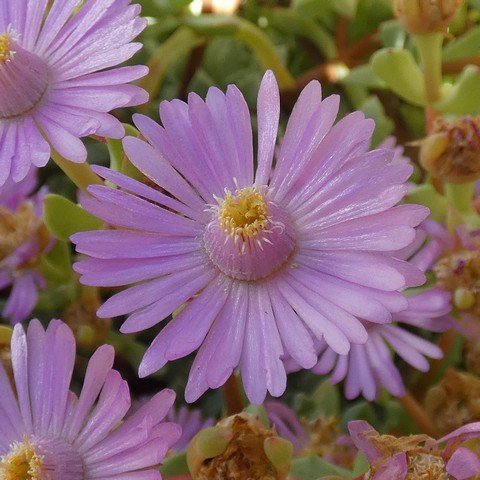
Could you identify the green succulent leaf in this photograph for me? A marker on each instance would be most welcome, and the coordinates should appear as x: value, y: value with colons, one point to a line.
x: 464, y: 96
x: 465, y: 46
x: 313, y: 467
x: 427, y: 195
x: 392, y: 34
x: 55, y: 265
x: 175, y: 465
x: 118, y: 160
x: 373, y: 108
x: 398, y: 69
x: 63, y: 218
x: 364, y: 76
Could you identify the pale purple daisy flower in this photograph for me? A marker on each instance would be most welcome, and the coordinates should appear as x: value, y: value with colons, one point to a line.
x: 417, y: 456
x: 368, y: 368
x: 23, y: 239
x: 57, y: 80
x: 47, y: 432
x: 271, y: 257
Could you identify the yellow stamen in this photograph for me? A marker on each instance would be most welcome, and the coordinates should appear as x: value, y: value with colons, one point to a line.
x: 5, y: 47
x: 245, y: 213
x: 21, y: 463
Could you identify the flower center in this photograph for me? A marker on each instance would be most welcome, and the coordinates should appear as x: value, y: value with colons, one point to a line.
x: 16, y: 228
x: 424, y: 466
x: 249, y: 237
x: 459, y: 272
x: 5, y: 44
x: 22, y: 463
x: 23, y: 78
x: 41, y: 459
x: 244, y: 214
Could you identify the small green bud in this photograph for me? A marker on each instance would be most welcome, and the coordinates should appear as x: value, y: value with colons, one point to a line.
x: 463, y: 298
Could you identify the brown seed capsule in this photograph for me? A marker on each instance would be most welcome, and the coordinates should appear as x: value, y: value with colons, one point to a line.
x: 455, y: 401
x: 426, y: 16
x: 452, y: 151
x: 246, y: 450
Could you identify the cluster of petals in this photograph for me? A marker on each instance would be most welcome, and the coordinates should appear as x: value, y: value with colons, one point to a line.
x: 19, y: 262
x: 449, y: 457
x: 269, y: 256
x: 54, y: 434
x: 57, y: 83
x: 370, y: 367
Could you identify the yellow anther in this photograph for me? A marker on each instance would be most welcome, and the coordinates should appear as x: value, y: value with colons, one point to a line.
x: 245, y: 213
x: 5, y: 47
x: 21, y: 463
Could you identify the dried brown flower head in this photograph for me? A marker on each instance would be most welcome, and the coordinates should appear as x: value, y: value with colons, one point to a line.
x: 426, y: 16
x: 458, y: 271
x: 248, y: 451
x: 452, y: 151
x: 455, y: 401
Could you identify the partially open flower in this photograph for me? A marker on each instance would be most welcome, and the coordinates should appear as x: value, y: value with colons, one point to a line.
x: 426, y: 16
x: 417, y: 457
x: 238, y: 448
x: 455, y: 401
x: 452, y: 151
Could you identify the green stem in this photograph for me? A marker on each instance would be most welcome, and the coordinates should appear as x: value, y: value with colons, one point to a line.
x: 460, y: 196
x: 461, y: 210
x: 232, y: 393
x: 430, y: 51
x: 79, y: 173
x: 264, y: 49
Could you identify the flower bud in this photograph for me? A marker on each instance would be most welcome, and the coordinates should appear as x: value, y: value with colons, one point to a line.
x: 454, y: 402
x: 452, y: 152
x: 238, y: 448
x: 89, y: 330
x: 426, y: 16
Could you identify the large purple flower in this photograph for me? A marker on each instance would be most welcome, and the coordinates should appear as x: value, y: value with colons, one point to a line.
x: 23, y: 238
x: 417, y: 456
x: 368, y: 368
x: 53, y: 77
x: 271, y: 257
x: 47, y: 432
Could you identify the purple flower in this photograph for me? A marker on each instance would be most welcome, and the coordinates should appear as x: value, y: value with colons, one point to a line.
x: 47, y: 432
x: 417, y: 456
x: 368, y: 368
x: 271, y: 258
x: 191, y: 422
x: 23, y: 238
x: 56, y: 79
